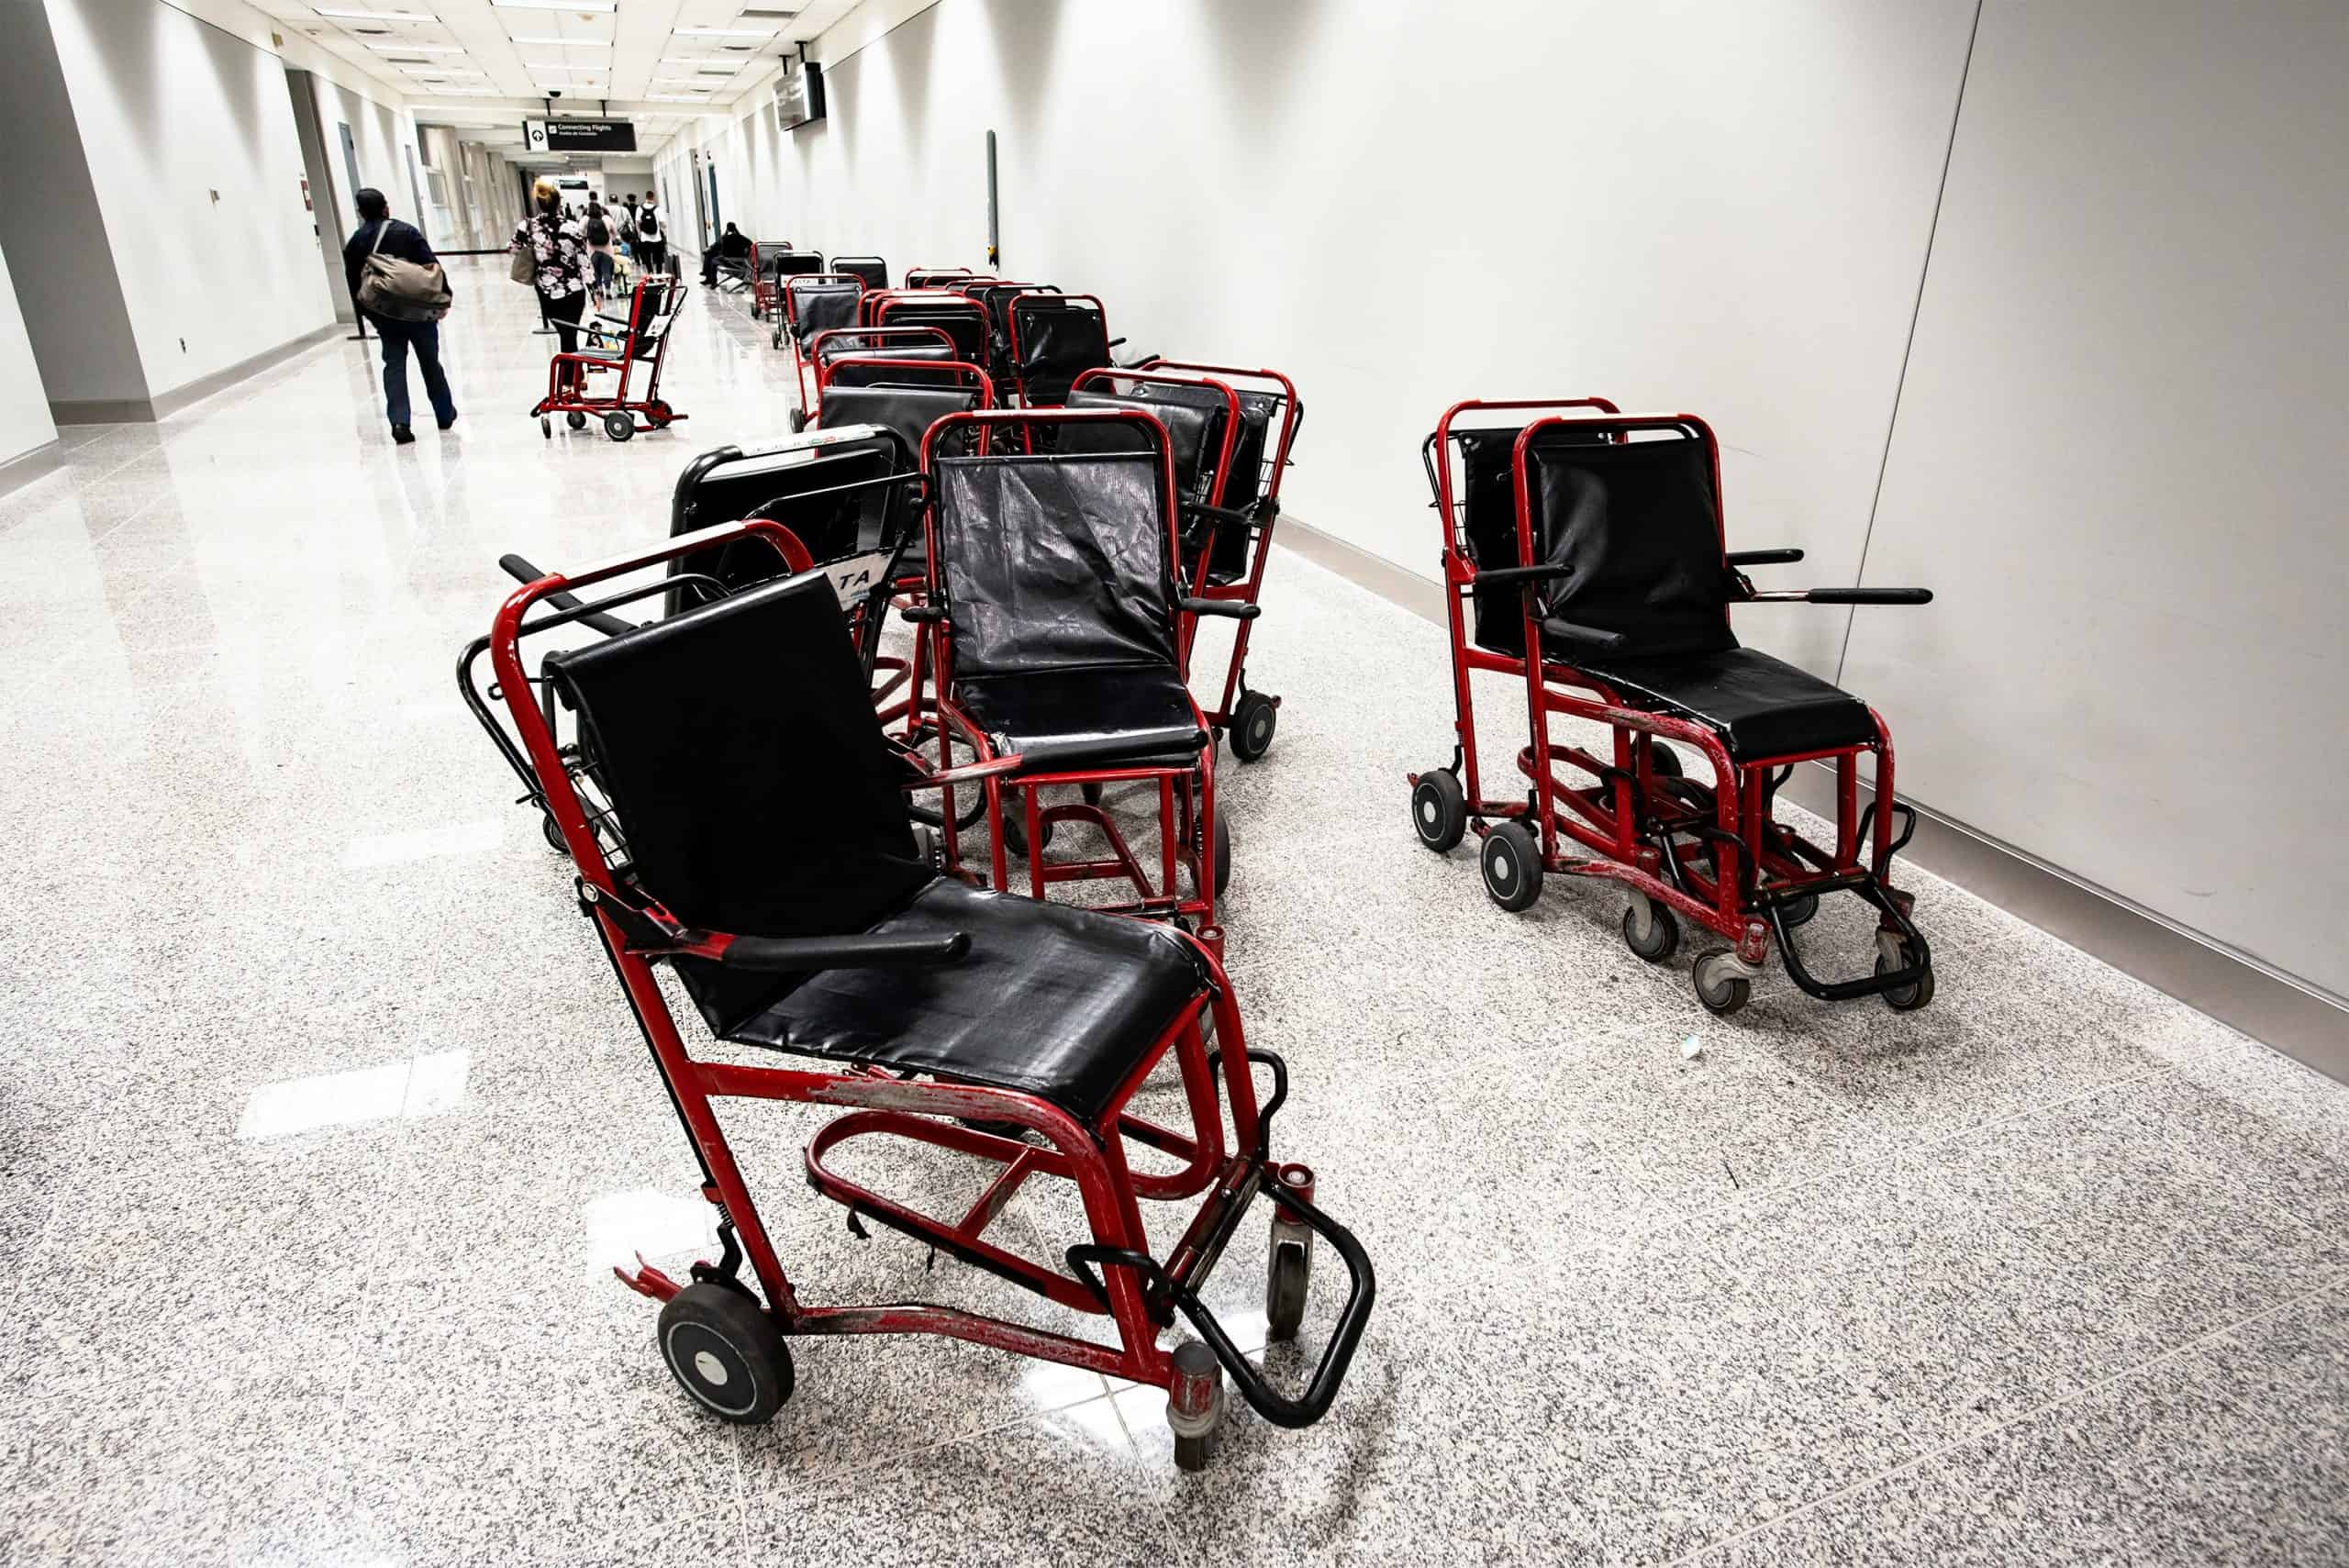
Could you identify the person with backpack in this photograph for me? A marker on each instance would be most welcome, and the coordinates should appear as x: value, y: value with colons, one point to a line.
x: 651, y: 238
x: 389, y: 300
x: 598, y: 231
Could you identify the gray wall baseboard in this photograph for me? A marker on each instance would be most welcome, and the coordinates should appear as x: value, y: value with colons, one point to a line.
x: 30, y: 464
x: 147, y: 410
x: 2269, y: 1006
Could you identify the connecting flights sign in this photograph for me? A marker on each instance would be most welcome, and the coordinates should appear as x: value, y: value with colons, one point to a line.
x: 579, y: 136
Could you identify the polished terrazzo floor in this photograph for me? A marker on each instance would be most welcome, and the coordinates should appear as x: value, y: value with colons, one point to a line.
x: 322, y: 1120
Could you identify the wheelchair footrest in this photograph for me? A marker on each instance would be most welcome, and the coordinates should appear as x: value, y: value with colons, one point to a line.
x: 1866, y: 885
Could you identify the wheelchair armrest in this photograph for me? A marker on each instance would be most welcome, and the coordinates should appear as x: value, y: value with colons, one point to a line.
x: 1764, y: 557
x: 919, y: 613
x: 1541, y: 570
x: 1217, y: 514
x: 1237, y: 609
x: 521, y: 571
x: 782, y: 955
x: 1580, y: 639
x: 1868, y: 595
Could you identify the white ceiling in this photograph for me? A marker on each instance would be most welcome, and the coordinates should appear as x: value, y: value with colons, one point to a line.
x: 484, y: 65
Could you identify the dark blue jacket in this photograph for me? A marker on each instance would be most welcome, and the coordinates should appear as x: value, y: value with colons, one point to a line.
x: 403, y: 240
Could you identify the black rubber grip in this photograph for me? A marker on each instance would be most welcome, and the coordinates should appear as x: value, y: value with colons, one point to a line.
x: 1534, y: 573
x: 1237, y: 609
x: 1764, y: 557
x: 1870, y: 596
x: 796, y: 954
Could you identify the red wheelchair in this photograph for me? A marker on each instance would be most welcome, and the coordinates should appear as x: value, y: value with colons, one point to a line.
x: 626, y: 346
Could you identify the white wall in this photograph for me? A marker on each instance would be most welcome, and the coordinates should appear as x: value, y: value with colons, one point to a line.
x: 170, y: 109
x: 23, y: 403
x: 381, y: 136
x: 2120, y: 460
x: 1691, y: 204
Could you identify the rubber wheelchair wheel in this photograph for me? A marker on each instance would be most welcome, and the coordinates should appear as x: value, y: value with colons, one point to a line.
x: 1014, y: 833
x: 1439, y: 809
x: 1661, y: 937
x: 554, y: 835
x: 660, y: 413
x: 546, y: 427
x: 1288, y: 1281
x: 575, y: 419
x: 723, y: 1349
x: 1907, y: 998
x: 1719, y: 984
x: 1222, y: 855
x: 798, y: 421
x: 776, y: 340
x: 1663, y: 759
x: 1511, y: 861
x: 620, y: 424
x: 1253, y: 723
x: 1798, y: 911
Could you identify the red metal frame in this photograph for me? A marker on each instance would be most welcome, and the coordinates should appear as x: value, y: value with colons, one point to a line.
x: 1012, y: 331
x: 1186, y: 793
x: 929, y: 277
x: 790, y: 320
x: 567, y: 374
x: 1091, y: 1154
x: 1601, y: 817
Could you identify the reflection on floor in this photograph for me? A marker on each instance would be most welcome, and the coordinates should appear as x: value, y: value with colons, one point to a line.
x: 322, y: 1120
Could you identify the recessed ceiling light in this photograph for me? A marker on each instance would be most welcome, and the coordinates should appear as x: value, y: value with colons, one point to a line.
x: 566, y: 43
x: 374, y: 16
x: 420, y: 48
x: 598, y: 5
x: 778, y: 16
x: 725, y: 32
x: 691, y: 59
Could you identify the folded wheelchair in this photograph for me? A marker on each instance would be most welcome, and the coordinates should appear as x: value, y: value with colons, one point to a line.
x: 1054, y: 618
x: 771, y: 863
x: 844, y: 502
x: 816, y: 302
x: 937, y: 277
x: 622, y: 346
x: 1055, y: 339
x: 1230, y: 431
x: 872, y: 270
x: 1583, y: 553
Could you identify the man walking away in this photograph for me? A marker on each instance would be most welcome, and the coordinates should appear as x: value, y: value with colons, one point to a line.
x: 380, y: 232
x: 651, y: 241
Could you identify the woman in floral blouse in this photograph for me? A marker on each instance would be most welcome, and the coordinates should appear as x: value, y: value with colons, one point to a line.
x: 561, y: 255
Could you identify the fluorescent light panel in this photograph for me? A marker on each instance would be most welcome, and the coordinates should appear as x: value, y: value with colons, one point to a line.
x: 350, y: 16
x: 418, y: 47
x: 564, y: 43
x: 725, y: 32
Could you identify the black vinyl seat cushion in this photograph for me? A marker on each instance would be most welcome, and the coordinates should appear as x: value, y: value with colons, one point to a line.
x: 1146, y: 707
x: 1760, y: 706
x: 1051, y: 1001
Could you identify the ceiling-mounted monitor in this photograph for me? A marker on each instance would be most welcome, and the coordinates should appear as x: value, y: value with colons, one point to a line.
x: 798, y: 93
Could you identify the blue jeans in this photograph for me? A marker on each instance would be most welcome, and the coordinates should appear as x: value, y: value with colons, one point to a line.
x: 424, y: 337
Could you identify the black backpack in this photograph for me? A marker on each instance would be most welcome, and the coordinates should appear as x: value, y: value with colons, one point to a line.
x: 598, y: 233
x: 648, y: 227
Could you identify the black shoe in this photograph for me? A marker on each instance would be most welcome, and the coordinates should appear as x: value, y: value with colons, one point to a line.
x: 448, y: 421
x: 402, y: 435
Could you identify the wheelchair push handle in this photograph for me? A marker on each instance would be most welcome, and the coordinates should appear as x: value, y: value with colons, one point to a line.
x: 1870, y: 596
x: 1237, y: 609
x: 521, y: 571
x: 1764, y: 557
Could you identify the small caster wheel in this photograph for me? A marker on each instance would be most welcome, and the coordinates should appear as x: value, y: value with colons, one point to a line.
x: 546, y: 427
x: 1014, y: 833
x: 620, y: 424
x: 1253, y: 724
x: 776, y: 340
x: 660, y: 413
x: 1194, y: 1404
x: 554, y: 834
x: 1222, y: 855
x: 1663, y: 761
x: 1439, y: 809
x: 798, y: 421
x: 575, y: 419
x: 1719, y: 985
x: 1798, y: 911
x: 1649, y: 929
x: 724, y: 1350
x: 1891, y: 953
x: 1288, y: 1279
x: 1513, y: 866
x: 1092, y: 793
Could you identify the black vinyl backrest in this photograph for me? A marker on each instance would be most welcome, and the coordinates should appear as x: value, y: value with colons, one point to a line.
x: 960, y: 320
x: 1057, y: 340
x: 817, y: 308
x: 793, y: 264
x: 1638, y: 524
x: 1489, y: 497
x: 1054, y: 563
x: 871, y: 269
x: 777, y: 484
x: 738, y: 744
x: 907, y: 409
x: 910, y: 361
x: 1194, y: 418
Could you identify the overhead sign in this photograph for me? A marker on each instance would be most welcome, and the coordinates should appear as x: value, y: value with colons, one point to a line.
x: 579, y: 136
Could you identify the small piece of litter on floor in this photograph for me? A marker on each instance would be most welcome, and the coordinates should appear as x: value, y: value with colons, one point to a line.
x: 1692, y: 1047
